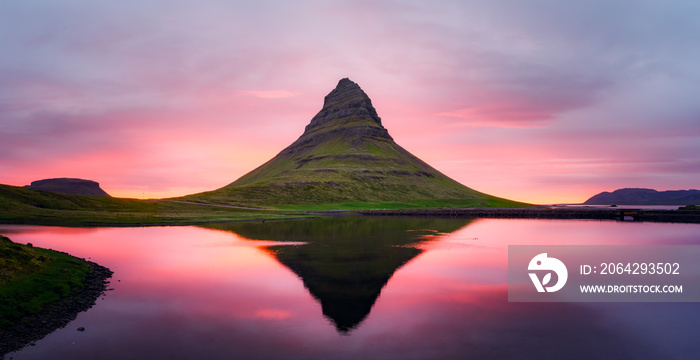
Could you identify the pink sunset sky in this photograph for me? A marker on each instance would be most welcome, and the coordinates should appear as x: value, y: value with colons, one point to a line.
x: 541, y: 101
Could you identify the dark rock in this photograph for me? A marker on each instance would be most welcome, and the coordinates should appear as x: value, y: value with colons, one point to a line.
x: 347, y: 99
x: 69, y: 186
x: 81, y: 329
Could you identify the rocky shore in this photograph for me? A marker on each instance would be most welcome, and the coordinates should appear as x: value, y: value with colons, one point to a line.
x: 57, y: 315
x: 680, y: 216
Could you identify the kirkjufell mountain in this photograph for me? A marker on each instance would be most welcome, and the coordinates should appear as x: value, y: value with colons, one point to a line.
x: 346, y: 156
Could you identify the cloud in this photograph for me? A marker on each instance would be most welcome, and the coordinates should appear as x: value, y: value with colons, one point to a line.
x: 509, y: 116
x: 272, y: 314
x: 271, y: 94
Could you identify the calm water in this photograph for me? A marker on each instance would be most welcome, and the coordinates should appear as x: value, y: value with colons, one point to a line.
x: 349, y: 288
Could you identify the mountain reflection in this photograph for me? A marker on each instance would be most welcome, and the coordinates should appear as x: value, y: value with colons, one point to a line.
x: 346, y: 261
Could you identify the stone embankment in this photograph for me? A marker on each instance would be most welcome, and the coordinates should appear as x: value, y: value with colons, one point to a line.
x: 682, y: 216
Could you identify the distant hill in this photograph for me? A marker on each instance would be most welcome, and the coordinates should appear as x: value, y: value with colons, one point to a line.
x: 69, y: 186
x: 344, y: 156
x: 634, y: 196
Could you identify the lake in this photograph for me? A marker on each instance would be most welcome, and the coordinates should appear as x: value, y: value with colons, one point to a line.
x: 349, y: 288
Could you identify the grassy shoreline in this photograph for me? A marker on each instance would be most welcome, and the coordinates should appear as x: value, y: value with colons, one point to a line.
x: 42, y: 290
x: 25, y: 206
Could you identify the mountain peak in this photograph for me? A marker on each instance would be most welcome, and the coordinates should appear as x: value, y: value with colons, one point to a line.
x: 347, y: 100
x: 345, y: 155
x: 345, y: 90
x: 346, y: 84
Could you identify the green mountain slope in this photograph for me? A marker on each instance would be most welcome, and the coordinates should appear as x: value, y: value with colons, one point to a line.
x: 345, y: 156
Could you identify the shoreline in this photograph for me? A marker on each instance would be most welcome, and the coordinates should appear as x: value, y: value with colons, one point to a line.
x: 57, y: 315
x: 631, y: 215
x: 533, y: 212
x: 91, y: 224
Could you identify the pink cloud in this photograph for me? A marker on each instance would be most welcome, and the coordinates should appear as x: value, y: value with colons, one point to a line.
x: 272, y: 314
x: 271, y: 94
x: 499, y: 116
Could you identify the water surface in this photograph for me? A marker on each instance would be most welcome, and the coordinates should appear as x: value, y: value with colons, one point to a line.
x: 347, y: 288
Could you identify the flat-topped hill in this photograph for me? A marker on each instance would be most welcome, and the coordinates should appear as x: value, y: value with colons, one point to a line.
x: 69, y: 186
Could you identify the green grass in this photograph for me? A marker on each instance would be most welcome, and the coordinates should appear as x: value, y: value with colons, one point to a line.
x: 421, y: 204
x: 21, y: 205
x: 32, y: 278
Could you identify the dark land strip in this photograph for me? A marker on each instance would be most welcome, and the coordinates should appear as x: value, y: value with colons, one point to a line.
x: 675, y: 216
